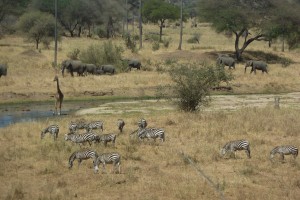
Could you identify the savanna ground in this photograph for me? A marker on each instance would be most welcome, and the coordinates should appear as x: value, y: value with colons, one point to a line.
x: 32, y: 168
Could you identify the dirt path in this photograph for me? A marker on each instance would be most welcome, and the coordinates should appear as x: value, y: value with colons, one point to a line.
x: 219, y: 102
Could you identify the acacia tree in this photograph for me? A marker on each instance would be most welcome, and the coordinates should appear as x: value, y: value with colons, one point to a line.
x: 159, y: 11
x: 37, y: 26
x: 241, y: 17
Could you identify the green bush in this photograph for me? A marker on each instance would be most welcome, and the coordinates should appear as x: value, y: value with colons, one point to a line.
x: 130, y: 42
x: 155, y: 46
x: 193, y: 84
x: 194, y: 39
x: 166, y: 42
x: 73, y: 54
x: 106, y: 53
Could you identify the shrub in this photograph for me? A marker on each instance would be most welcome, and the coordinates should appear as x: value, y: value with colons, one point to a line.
x: 193, y: 83
x: 130, y: 42
x: 166, y: 42
x: 73, y: 54
x: 155, y: 46
x: 194, y: 39
x: 106, y: 53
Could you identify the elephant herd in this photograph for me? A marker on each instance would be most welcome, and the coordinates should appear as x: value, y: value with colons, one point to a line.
x: 225, y: 60
x: 83, y: 69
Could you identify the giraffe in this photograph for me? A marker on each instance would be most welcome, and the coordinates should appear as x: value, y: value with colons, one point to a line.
x: 59, y: 96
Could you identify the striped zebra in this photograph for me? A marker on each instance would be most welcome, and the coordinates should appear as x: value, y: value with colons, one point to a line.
x: 82, y: 155
x: 108, y: 158
x: 142, y: 123
x: 105, y: 138
x: 284, y: 150
x: 52, y: 129
x: 151, y: 133
x: 94, y: 125
x: 236, y: 145
x: 81, y: 138
x: 74, y: 126
x: 120, y: 124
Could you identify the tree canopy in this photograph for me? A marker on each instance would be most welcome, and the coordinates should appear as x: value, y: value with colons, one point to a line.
x: 249, y: 21
x: 159, y: 11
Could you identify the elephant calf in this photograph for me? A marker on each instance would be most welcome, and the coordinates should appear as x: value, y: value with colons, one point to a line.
x: 108, y: 69
x: 226, y: 61
x: 256, y: 65
x: 73, y: 66
x: 3, y: 70
x: 90, y: 69
x: 134, y: 64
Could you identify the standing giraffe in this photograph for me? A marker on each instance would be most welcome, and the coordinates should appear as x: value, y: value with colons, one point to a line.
x: 59, y: 96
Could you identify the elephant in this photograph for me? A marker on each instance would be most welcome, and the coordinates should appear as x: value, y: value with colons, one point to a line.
x: 226, y: 61
x: 73, y: 66
x: 134, y: 64
x: 256, y: 65
x: 3, y: 70
x: 90, y: 68
x: 108, y: 69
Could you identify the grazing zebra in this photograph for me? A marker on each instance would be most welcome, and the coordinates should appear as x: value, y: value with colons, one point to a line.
x: 81, y: 138
x: 82, y: 155
x: 94, y: 125
x: 106, y: 138
x: 74, y: 126
x: 142, y: 123
x: 151, y: 133
x: 120, y: 124
x: 284, y: 150
x: 52, y: 129
x: 236, y: 145
x: 108, y: 158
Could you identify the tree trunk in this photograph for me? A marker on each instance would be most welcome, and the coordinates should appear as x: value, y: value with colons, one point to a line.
x: 160, y: 30
x: 37, y: 43
x: 141, y: 26
x: 181, y: 26
x: 79, y: 31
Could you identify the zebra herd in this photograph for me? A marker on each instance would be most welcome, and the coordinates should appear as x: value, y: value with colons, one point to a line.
x: 90, y: 137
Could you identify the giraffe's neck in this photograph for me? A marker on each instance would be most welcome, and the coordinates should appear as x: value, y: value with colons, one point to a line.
x: 57, y: 84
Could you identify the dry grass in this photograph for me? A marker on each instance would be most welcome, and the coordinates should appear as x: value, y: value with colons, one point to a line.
x: 31, y: 168
x: 38, y: 169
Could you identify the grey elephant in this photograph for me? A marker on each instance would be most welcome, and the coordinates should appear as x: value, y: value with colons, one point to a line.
x: 3, y: 70
x: 73, y: 66
x: 108, y: 69
x: 226, y: 61
x: 134, y: 64
x: 256, y: 65
x: 90, y: 68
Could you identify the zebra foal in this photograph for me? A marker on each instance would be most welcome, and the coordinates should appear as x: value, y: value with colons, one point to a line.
x: 52, y: 129
x: 284, y: 150
x: 105, y: 138
x: 82, y: 155
x: 81, y: 138
x: 236, y: 145
x: 151, y: 133
x: 108, y: 158
x: 74, y: 126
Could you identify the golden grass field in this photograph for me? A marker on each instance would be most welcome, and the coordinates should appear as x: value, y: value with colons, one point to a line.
x: 31, y: 168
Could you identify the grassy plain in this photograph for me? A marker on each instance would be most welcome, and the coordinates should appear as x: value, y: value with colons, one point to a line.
x: 31, y: 168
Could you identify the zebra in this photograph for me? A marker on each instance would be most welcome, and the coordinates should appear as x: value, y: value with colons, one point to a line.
x: 74, y: 126
x: 284, y: 150
x: 120, y: 124
x: 82, y: 155
x: 52, y: 129
x: 106, y: 138
x: 151, y: 133
x: 108, y: 158
x: 94, y: 125
x: 142, y: 123
x: 236, y: 145
x: 81, y: 138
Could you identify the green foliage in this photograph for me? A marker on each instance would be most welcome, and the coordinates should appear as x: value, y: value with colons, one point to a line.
x: 155, y: 46
x: 166, y: 42
x: 37, y: 26
x: 106, y: 53
x: 73, y: 55
x: 194, y: 39
x: 130, y: 42
x: 193, y: 84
